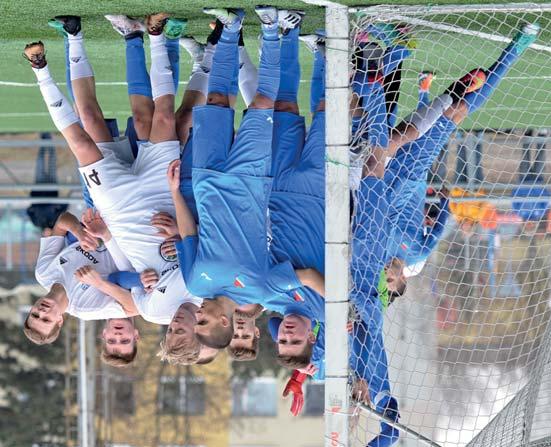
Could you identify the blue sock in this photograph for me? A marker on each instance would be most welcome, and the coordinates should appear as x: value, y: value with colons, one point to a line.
x: 290, y: 67
x: 68, y: 70
x: 136, y: 70
x: 234, y: 88
x: 173, y: 50
x: 226, y: 57
x: 392, y: 57
x: 377, y: 122
x: 495, y: 74
x: 317, y: 89
x: 269, y: 67
x: 424, y: 99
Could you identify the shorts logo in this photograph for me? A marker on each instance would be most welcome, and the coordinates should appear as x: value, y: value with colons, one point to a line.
x: 207, y: 277
x: 62, y: 261
x: 238, y: 283
x: 270, y: 120
x: 162, y: 289
x: 75, y: 60
x: 57, y: 103
x: 298, y: 297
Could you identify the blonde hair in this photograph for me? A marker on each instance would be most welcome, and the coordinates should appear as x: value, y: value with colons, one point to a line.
x: 116, y: 359
x: 182, y: 354
x: 244, y: 354
x: 38, y: 337
x: 299, y: 361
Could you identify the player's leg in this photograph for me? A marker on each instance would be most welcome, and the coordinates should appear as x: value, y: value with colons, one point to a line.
x: 173, y: 31
x: 60, y: 109
x: 248, y: 74
x: 83, y: 82
x: 163, y: 126
x: 316, y: 44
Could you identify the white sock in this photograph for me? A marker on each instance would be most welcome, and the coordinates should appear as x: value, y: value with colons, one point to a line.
x: 78, y: 60
x: 424, y: 118
x: 198, y: 82
x: 60, y: 108
x: 161, y: 72
x: 248, y: 76
x: 208, y: 54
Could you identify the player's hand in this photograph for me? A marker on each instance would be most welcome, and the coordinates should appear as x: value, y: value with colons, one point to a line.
x: 47, y: 232
x: 94, y: 225
x: 149, y: 279
x: 294, y: 385
x: 87, y: 275
x: 173, y: 175
x: 87, y: 241
x: 166, y: 225
x: 168, y: 247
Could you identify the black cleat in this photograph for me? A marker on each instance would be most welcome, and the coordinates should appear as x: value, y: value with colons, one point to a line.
x: 35, y: 54
x: 216, y: 32
x: 71, y: 24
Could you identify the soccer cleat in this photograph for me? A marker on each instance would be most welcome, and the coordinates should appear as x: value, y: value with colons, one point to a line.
x: 58, y: 26
x: 174, y: 28
x: 425, y: 80
x: 268, y: 15
x: 155, y: 23
x: 35, y: 54
x: 194, y: 48
x: 289, y: 18
x: 525, y: 37
x: 230, y: 17
x: 71, y: 24
x: 310, y: 40
x: 126, y: 26
x: 471, y: 82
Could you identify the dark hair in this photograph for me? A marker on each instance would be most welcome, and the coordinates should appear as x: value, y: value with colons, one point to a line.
x: 116, y: 359
x: 301, y: 360
x: 244, y: 354
x: 393, y: 294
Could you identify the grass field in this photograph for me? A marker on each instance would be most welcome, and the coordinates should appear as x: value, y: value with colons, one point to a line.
x: 524, y: 98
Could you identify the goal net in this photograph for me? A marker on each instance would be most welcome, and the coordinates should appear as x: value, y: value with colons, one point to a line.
x: 449, y: 246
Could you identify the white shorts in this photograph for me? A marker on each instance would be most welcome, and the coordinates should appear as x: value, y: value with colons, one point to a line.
x: 120, y: 148
x: 128, y: 196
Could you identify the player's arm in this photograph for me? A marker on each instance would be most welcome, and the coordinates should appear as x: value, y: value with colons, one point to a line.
x: 435, y: 232
x: 67, y: 222
x: 184, y: 218
x: 313, y: 279
x: 87, y: 275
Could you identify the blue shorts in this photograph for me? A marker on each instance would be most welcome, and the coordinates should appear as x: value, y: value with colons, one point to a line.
x: 307, y: 174
x: 287, y: 143
x: 250, y: 153
x: 186, y: 186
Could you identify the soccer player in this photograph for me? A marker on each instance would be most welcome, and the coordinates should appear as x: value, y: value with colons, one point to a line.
x: 407, y: 171
x: 74, y: 287
x: 228, y: 260
x: 246, y: 335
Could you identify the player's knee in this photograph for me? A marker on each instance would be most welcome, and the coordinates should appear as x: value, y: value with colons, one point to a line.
x: 217, y: 99
x: 91, y: 116
x: 142, y: 125
x: 164, y: 119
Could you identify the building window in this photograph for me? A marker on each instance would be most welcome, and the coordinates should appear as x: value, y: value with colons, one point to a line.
x: 182, y: 395
x: 314, y: 399
x: 256, y: 397
x: 123, y: 397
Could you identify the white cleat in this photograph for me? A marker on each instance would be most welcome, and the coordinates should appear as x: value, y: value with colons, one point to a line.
x: 194, y: 48
x: 229, y: 17
x: 124, y: 25
x: 289, y: 18
x: 268, y: 15
x: 312, y: 41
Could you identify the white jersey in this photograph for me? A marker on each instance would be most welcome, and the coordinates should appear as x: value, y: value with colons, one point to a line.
x: 161, y: 304
x: 57, y: 263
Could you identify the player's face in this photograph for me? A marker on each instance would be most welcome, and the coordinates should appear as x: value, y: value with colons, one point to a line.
x: 120, y: 336
x: 207, y: 353
x: 180, y: 328
x: 360, y: 391
x: 292, y: 335
x: 44, y: 315
x: 394, y: 275
x: 244, y: 332
x: 208, y: 317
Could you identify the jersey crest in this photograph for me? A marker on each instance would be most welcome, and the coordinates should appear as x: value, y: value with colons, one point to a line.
x: 238, y: 283
x: 298, y: 297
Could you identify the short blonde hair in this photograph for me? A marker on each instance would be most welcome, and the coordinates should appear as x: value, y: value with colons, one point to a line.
x: 118, y: 360
x: 39, y: 338
x: 299, y: 361
x: 244, y: 354
x: 183, y: 354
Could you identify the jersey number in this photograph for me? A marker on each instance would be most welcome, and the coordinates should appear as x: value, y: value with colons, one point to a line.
x: 94, y: 177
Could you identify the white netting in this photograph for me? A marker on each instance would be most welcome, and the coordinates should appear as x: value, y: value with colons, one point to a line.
x: 467, y: 344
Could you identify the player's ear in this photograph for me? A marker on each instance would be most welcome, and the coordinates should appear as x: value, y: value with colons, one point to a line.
x: 136, y: 335
x: 256, y: 332
x: 224, y: 321
x: 311, y: 338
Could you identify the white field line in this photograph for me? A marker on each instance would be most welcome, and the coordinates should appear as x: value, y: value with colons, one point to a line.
x: 459, y: 30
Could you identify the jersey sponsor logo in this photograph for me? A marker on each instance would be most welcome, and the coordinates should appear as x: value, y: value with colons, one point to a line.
x: 165, y: 271
x: 57, y: 103
x: 86, y: 254
x: 298, y: 297
x: 207, y: 277
x: 162, y: 289
x: 238, y: 283
x: 62, y: 261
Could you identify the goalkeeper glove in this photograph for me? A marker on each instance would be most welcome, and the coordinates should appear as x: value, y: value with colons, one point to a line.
x: 294, y: 385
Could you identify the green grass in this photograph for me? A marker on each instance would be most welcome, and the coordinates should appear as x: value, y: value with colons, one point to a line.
x: 523, y: 99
